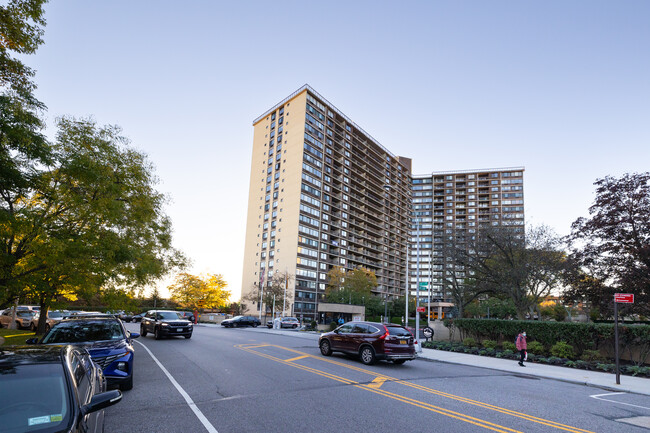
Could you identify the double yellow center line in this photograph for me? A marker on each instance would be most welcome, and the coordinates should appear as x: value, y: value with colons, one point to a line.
x: 375, y: 385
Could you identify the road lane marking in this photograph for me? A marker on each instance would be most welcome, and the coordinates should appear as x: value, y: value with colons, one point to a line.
x: 208, y: 426
x: 377, y: 382
x: 598, y: 397
x: 488, y: 406
x: 296, y: 358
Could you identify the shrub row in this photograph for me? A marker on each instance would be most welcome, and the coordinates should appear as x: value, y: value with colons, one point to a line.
x: 580, y: 337
x: 588, y: 362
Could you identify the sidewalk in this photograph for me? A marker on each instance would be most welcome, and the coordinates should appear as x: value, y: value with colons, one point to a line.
x: 606, y: 381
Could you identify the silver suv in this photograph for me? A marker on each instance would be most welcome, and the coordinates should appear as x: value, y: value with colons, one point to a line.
x: 23, y: 318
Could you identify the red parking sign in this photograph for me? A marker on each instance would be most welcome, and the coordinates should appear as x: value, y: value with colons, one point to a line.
x: 624, y: 298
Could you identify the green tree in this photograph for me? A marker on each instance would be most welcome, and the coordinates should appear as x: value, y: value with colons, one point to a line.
x: 23, y: 148
x: 352, y: 287
x: 523, y: 268
x: 21, y: 32
x: 612, y: 246
x: 195, y: 292
x: 94, y: 220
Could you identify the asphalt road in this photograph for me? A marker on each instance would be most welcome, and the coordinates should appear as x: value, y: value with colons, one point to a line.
x: 248, y: 380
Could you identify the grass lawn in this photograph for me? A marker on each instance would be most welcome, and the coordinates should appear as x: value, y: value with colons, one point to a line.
x: 15, y: 336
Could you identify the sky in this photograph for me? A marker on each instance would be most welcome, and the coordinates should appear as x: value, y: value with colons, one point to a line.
x: 559, y: 87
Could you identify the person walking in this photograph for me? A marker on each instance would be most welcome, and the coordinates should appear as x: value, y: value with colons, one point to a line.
x: 520, y: 342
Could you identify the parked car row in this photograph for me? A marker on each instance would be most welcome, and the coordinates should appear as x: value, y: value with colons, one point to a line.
x: 105, y: 338
x: 53, y: 389
x: 59, y: 382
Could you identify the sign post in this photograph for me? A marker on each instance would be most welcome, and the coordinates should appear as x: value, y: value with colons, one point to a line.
x: 619, y: 298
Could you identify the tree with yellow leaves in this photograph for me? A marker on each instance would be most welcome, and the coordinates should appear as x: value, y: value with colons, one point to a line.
x: 195, y: 292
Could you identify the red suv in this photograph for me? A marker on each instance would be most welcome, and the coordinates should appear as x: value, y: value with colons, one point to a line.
x: 370, y: 341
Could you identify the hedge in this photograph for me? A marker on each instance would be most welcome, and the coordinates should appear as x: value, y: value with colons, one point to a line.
x: 635, y: 339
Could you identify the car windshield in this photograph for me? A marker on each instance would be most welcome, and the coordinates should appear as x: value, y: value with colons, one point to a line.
x: 55, y: 314
x: 24, y: 313
x: 167, y: 315
x: 38, y: 400
x: 79, y: 331
x: 237, y: 317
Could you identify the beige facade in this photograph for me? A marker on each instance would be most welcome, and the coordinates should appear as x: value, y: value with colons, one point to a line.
x: 331, y: 196
x: 324, y: 193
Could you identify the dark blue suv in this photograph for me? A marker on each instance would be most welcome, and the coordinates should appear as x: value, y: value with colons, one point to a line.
x: 108, y: 342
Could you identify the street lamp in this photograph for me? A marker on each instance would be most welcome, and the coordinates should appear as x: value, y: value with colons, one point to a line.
x: 417, y: 287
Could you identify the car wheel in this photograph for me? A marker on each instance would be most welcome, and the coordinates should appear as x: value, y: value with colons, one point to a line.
x: 32, y: 327
x: 18, y: 325
x: 325, y: 348
x: 399, y: 361
x: 128, y: 384
x: 188, y: 336
x: 143, y: 330
x: 367, y: 355
x: 156, y: 334
x: 294, y: 326
x: 254, y: 325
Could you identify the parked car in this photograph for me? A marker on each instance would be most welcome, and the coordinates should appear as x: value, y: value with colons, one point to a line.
x: 137, y: 317
x: 110, y: 345
x: 53, y: 317
x: 165, y: 323
x: 23, y: 318
x: 187, y: 315
x: 125, y: 317
x: 239, y: 321
x: 52, y: 389
x: 284, y: 322
x: 370, y: 341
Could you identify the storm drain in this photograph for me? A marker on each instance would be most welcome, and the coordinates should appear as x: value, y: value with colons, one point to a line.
x: 639, y: 421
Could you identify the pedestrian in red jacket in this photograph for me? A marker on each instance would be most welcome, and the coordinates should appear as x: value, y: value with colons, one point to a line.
x: 520, y: 342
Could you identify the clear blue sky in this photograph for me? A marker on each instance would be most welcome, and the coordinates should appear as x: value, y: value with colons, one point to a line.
x: 560, y: 87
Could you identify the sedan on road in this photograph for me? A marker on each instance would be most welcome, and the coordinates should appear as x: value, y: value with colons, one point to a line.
x: 52, y: 389
x: 239, y: 321
x: 370, y: 341
x: 284, y: 322
x: 110, y: 345
x: 163, y: 323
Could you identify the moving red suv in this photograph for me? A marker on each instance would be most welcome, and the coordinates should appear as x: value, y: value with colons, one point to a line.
x: 370, y: 341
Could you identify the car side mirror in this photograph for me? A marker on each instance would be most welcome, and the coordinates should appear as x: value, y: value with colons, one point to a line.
x: 134, y: 334
x: 31, y: 341
x: 101, y: 401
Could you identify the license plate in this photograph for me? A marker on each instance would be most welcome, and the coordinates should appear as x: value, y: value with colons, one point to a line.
x: 179, y: 329
x: 402, y: 342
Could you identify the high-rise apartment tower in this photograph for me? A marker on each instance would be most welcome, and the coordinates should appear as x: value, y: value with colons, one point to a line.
x: 323, y: 193
x: 450, y: 207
